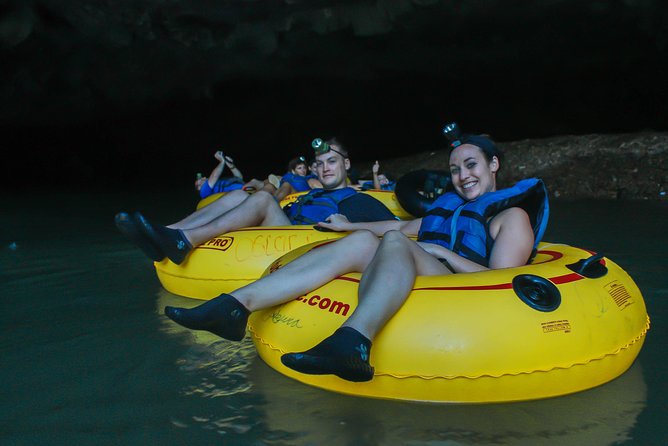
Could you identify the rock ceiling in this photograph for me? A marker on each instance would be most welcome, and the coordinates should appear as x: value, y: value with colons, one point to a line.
x: 121, y: 84
x: 64, y: 60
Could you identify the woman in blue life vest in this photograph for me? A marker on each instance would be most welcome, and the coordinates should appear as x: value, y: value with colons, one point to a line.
x: 474, y: 228
x: 297, y: 179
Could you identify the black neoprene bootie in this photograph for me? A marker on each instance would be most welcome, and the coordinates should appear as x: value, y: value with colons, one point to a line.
x: 129, y: 228
x: 171, y: 241
x: 223, y: 316
x: 344, y: 354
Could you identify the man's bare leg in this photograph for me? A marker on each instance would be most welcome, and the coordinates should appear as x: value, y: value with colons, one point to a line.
x: 259, y: 209
x: 211, y: 211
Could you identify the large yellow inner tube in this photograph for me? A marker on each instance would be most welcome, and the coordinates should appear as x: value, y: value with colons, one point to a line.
x: 469, y: 337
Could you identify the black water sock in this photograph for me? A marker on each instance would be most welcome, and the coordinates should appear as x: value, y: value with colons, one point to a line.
x: 172, y: 242
x: 344, y: 354
x: 223, y: 316
x: 129, y: 227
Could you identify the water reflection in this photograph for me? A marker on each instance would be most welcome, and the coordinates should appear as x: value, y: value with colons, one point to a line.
x: 279, y: 409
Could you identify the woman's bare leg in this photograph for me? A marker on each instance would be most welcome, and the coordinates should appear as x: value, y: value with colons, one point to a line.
x: 226, y: 315
x: 386, y: 283
x: 310, y: 271
x: 388, y: 280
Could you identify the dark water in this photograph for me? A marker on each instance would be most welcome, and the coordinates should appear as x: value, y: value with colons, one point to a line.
x: 87, y: 358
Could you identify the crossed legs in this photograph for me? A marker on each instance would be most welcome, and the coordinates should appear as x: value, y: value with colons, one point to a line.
x: 215, y: 209
x: 232, y: 211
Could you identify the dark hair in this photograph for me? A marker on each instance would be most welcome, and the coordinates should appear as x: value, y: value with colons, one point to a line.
x: 294, y: 162
x: 486, y: 145
x: 388, y: 175
x: 340, y: 148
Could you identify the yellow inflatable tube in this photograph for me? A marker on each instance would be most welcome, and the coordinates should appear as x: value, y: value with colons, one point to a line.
x: 471, y: 338
x: 230, y: 261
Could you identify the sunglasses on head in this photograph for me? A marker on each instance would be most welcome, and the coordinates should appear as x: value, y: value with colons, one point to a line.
x: 320, y: 147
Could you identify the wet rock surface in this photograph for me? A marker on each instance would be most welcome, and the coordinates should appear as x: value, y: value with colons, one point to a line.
x: 624, y: 166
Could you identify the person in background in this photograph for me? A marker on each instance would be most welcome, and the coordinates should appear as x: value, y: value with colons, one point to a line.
x: 295, y: 180
x: 214, y: 183
x: 380, y: 180
x: 313, y: 171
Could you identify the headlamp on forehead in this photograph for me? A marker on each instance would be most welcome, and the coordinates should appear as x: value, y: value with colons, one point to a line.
x: 453, y: 133
x: 456, y: 138
x: 320, y: 146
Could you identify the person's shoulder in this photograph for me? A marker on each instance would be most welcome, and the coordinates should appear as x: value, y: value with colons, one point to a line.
x: 362, y: 207
x: 205, y: 190
x: 360, y: 199
x: 358, y: 195
x: 511, y: 216
x: 512, y: 212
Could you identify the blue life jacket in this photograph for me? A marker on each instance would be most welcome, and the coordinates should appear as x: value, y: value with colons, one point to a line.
x: 463, y: 226
x: 298, y: 182
x: 222, y: 185
x: 317, y: 205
